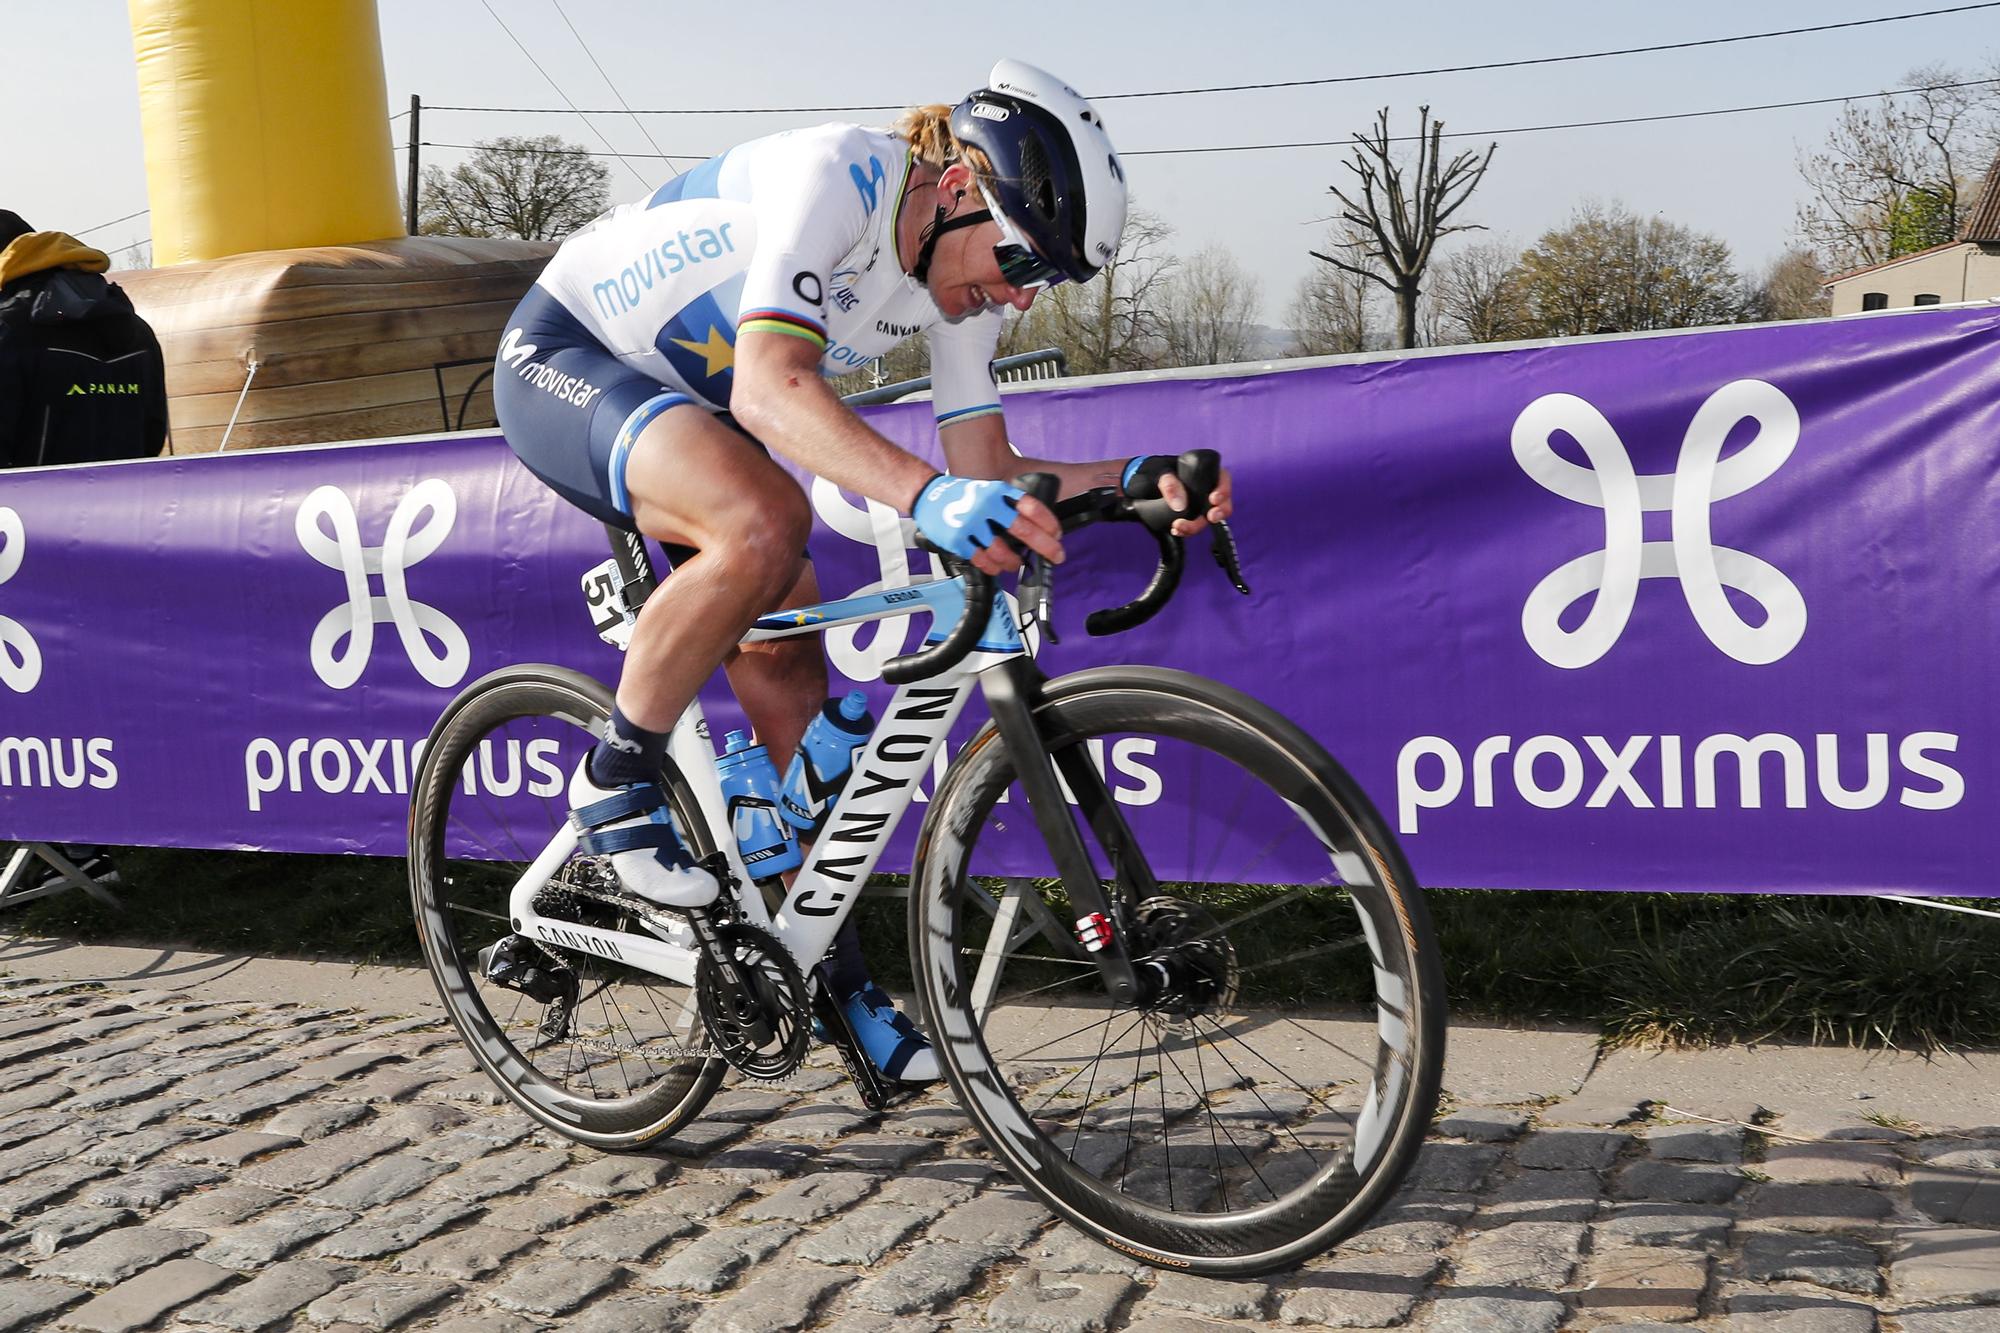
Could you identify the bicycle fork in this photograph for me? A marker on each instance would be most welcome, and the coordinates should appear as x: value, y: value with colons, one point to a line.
x: 1013, y: 693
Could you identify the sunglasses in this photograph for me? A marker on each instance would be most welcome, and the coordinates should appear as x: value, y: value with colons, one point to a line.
x: 1020, y: 266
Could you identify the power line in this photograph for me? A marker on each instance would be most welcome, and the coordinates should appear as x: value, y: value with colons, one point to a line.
x: 114, y: 222
x: 607, y: 81
x: 565, y: 152
x: 560, y: 93
x: 1406, y: 138
x: 1571, y: 125
x: 1559, y: 60
x: 1286, y: 83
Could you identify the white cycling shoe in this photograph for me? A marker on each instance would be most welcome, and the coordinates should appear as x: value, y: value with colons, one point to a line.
x: 632, y: 826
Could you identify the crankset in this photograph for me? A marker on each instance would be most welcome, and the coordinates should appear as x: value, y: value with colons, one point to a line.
x: 753, y: 1001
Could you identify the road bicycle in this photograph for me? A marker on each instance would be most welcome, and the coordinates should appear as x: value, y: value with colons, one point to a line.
x: 1176, y: 969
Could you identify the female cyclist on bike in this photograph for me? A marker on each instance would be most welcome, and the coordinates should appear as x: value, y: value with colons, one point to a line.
x: 676, y: 338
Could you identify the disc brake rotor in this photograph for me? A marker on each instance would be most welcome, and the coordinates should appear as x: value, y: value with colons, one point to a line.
x: 1191, y: 960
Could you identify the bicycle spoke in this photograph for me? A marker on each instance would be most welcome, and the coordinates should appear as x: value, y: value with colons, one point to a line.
x: 1317, y: 951
x: 1203, y: 1095
x: 1311, y: 1097
x: 1078, y: 1072
x: 1276, y: 1119
x: 1032, y: 1050
x: 617, y: 1044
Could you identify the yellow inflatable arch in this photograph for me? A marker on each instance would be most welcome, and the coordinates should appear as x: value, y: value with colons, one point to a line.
x: 265, y: 125
x: 289, y: 297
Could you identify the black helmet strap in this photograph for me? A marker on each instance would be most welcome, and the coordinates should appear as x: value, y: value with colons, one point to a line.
x: 937, y: 227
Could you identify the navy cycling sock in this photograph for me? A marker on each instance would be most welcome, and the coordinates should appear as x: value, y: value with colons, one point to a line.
x: 845, y: 970
x: 626, y: 752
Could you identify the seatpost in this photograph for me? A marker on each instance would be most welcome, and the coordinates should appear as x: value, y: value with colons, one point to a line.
x: 636, y: 576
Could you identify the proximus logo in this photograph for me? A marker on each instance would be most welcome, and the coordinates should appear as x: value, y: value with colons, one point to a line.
x: 1700, y: 478
x: 20, y: 655
x: 404, y: 544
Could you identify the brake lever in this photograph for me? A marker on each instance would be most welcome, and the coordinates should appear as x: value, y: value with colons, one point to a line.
x: 1224, y: 549
x: 1037, y: 581
x: 1036, y: 589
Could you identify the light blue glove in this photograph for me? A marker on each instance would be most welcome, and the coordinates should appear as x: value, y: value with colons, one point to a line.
x: 962, y: 516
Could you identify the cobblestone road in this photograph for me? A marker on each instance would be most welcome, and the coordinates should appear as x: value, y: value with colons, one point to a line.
x: 179, y: 1162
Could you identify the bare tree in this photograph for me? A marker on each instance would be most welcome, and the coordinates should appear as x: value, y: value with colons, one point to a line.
x: 138, y: 255
x: 1793, y: 287
x: 1478, y: 294
x: 538, y: 189
x: 1112, y: 322
x: 1896, y: 176
x: 909, y: 359
x: 1610, y: 271
x: 1404, y: 221
x: 1206, y: 309
x: 1333, y: 309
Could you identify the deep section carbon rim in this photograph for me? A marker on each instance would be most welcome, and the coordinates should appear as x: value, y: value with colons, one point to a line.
x: 617, y: 1058
x: 1272, y: 1087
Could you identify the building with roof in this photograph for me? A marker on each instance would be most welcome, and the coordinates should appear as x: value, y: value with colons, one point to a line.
x: 1967, y: 269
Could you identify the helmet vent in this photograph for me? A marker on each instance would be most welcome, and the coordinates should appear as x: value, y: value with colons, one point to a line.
x: 1036, y: 186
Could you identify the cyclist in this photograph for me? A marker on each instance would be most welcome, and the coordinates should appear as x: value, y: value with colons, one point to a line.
x: 675, y: 338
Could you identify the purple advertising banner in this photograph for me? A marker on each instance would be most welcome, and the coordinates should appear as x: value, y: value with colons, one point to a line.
x: 1711, y: 612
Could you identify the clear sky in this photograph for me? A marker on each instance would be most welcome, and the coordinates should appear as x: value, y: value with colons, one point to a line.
x: 73, y: 156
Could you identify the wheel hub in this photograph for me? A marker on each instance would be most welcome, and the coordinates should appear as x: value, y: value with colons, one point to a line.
x: 1187, y: 968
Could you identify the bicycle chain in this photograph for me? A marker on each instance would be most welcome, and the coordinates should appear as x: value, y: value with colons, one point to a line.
x: 648, y: 913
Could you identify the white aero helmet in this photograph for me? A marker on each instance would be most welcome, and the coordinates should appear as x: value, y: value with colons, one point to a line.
x: 1058, y: 191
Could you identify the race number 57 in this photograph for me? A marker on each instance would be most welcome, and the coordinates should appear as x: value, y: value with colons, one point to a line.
x: 603, y: 592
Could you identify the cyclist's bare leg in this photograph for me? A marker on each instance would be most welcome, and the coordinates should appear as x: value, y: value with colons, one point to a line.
x: 781, y: 683
x: 696, y: 481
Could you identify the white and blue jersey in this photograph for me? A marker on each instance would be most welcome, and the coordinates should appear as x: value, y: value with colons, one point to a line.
x: 792, y: 234
x: 795, y: 233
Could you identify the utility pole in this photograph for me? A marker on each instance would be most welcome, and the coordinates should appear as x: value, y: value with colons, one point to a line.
x: 410, y: 202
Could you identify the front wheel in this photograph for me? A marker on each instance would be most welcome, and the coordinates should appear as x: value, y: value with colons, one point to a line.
x: 606, y: 1054
x: 1273, y: 1084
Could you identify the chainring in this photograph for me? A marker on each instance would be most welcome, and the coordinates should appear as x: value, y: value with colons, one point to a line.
x: 764, y: 1028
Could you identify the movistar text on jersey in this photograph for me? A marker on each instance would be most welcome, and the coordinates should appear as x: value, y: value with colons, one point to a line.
x: 616, y: 295
x: 1677, y: 772
x: 569, y: 388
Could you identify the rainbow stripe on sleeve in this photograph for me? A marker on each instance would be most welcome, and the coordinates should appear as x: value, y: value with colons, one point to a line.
x: 781, y: 321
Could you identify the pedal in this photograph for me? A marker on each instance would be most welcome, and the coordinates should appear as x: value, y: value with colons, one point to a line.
x: 830, y: 1023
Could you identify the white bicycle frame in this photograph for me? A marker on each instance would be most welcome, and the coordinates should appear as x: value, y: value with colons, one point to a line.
x: 899, y: 753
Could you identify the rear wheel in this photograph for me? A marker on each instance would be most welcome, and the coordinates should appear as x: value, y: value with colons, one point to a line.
x: 607, y: 1054
x: 1278, y: 1074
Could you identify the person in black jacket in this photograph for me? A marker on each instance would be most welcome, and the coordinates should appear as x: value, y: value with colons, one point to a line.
x: 81, y: 379
x: 81, y: 375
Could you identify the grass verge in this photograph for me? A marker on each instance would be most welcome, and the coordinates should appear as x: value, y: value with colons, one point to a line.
x: 1671, y: 968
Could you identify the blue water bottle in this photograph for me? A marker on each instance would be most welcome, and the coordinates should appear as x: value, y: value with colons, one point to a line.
x: 750, y: 793
x: 824, y: 761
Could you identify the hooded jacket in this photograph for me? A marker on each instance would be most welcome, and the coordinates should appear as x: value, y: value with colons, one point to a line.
x: 81, y: 375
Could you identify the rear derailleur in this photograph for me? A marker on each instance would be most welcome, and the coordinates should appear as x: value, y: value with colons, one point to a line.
x: 517, y: 963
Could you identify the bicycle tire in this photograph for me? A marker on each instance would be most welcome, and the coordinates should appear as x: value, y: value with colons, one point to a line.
x: 460, y: 904
x: 1224, y: 731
